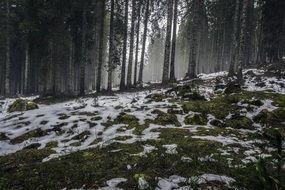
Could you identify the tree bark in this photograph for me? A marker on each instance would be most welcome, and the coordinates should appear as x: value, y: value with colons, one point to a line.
x: 193, y: 46
x: 132, y: 39
x: 123, y: 71
x: 101, y: 47
x: 26, y: 69
x: 234, y: 40
x: 137, y: 42
x: 173, y: 50
x: 83, y: 49
x: 111, y: 48
x: 165, y: 75
x: 144, y: 43
x: 8, y: 61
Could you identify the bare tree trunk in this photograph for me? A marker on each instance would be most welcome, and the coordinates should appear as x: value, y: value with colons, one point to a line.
x: 83, y: 49
x: 132, y: 39
x: 137, y: 42
x: 173, y: 50
x: 144, y: 43
x: 249, y: 33
x: 193, y: 45
x: 70, y: 67
x: 165, y: 75
x: 242, y: 35
x: 8, y: 62
x: 234, y: 42
x: 111, y: 48
x: 101, y: 47
x: 123, y: 71
x: 26, y: 69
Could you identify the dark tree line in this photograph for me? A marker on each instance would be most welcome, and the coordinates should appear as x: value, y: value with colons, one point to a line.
x: 64, y: 47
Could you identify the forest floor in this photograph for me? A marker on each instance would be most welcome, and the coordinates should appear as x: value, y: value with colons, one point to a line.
x: 190, y: 136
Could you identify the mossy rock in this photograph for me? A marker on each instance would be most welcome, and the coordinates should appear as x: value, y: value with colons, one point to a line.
x: 274, y: 135
x: 165, y: 118
x: 262, y: 117
x: 18, y: 105
x: 232, y: 88
x: 217, y: 123
x: 32, y: 146
x: 125, y: 118
x: 218, y: 107
x: 257, y: 103
x: 239, y: 122
x: 195, y: 96
x: 196, y: 119
x: 22, y: 105
x: 31, y: 105
x: 275, y: 118
x: 156, y: 97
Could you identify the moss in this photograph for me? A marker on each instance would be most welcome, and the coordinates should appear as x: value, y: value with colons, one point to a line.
x: 125, y: 118
x: 280, y: 101
x: 22, y: 105
x: 239, y: 122
x: 123, y: 138
x: 32, y: 134
x: 165, y: 118
x: 82, y: 136
x: 274, y: 118
x: 32, y: 146
x: 18, y: 105
x: 217, y: 123
x: 196, y: 119
x: 262, y: 117
x: 97, y: 118
x: 31, y: 106
x: 217, y: 107
x: 156, y: 97
x: 52, y: 144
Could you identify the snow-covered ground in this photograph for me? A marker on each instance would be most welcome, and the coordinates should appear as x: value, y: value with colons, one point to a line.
x: 81, y: 124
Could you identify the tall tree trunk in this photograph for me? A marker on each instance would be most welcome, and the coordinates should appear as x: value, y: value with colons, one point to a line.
x: 101, y: 46
x: 8, y: 62
x: 70, y: 67
x: 242, y: 35
x: 173, y: 50
x: 26, y: 69
x: 144, y: 43
x: 111, y: 48
x: 132, y: 39
x: 165, y: 75
x: 123, y: 71
x: 83, y: 50
x: 137, y: 42
x: 249, y: 33
x: 193, y: 46
x: 234, y: 40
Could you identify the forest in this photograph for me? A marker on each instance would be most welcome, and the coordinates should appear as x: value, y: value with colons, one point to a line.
x: 62, y: 48
x: 142, y: 94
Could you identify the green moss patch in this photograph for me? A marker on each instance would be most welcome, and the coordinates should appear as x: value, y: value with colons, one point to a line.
x: 196, y: 119
x: 22, y: 105
x: 163, y: 118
